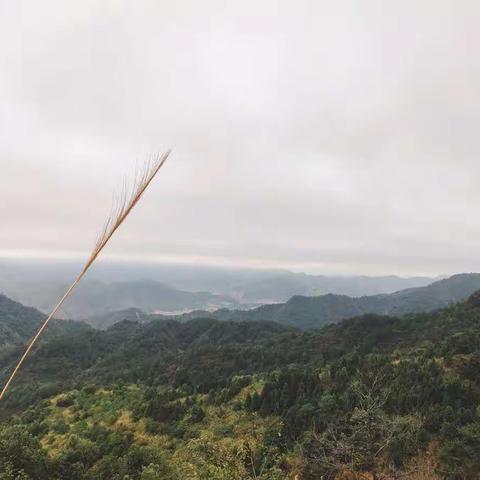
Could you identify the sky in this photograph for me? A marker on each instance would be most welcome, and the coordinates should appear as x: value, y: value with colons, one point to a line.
x: 319, y: 136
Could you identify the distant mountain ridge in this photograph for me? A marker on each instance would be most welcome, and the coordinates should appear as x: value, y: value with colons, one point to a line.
x: 177, y: 289
x: 99, y: 298
x: 314, y: 312
x: 18, y: 323
x: 280, y: 287
x: 106, y: 320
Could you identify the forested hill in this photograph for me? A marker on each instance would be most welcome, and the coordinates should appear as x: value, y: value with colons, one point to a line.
x: 19, y: 323
x: 313, y: 312
x: 370, y: 397
x: 130, y: 351
x: 204, y: 351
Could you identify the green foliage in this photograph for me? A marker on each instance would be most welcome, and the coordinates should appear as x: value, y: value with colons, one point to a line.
x: 21, y: 456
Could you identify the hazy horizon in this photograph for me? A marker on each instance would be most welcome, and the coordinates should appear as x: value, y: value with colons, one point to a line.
x: 72, y: 264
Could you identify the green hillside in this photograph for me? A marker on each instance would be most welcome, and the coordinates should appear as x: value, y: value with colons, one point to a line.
x: 19, y: 323
x: 375, y: 396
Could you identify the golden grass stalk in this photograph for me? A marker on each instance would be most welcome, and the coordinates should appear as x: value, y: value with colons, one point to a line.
x: 120, y: 211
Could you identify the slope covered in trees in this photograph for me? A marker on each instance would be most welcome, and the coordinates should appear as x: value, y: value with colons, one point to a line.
x: 19, y: 323
x: 379, y: 396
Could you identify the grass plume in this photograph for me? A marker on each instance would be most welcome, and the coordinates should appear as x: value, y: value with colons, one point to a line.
x: 122, y: 207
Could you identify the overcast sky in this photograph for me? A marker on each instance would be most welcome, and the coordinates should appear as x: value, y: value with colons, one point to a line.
x: 323, y: 136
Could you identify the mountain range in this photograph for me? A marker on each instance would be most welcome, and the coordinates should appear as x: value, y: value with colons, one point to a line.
x: 161, y: 288
x: 94, y: 297
x: 313, y: 312
x: 102, y: 305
